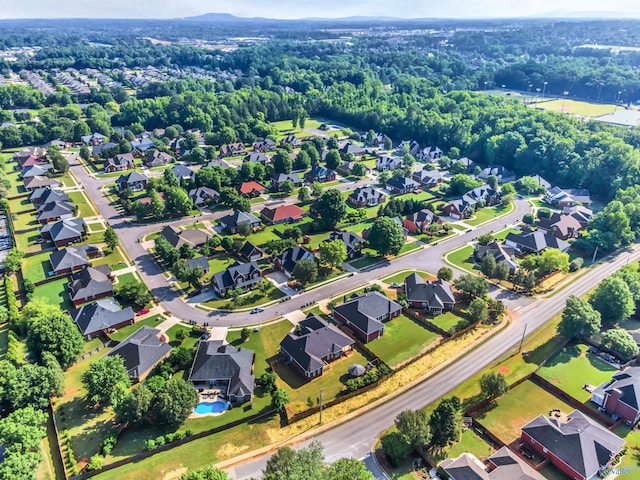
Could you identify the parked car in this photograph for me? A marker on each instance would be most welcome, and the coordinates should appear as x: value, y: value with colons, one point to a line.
x: 144, y: 311
x: 194, y: 293
x: 257, y: 310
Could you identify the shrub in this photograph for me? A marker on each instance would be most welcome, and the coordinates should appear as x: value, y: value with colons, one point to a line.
x: 95, y: 463
x: 188, y: 433
x: 150, y: 444
x: 107, y: 444
x: 160, y: 441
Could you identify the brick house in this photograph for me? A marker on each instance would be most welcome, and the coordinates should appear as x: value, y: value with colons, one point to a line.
x: 433, y: 297
x: 621, y: 395
x: 283, y: 214
x: 363, y: 197
x: 238, y: 275
x: 320, y: 174
x: 401, y: 185
x: 91, y: 283
x: 101, y: 316
x: 142, y: 351
x: 365, y: 315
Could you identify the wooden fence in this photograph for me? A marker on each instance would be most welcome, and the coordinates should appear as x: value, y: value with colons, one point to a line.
x: 58, y: 450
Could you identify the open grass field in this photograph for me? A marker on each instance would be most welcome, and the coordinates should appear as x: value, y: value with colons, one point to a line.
x: 400, y: 276
x: 462, y: 258
x: 486, y: 214
x: 562, y: 371
x: 85, y: 207
x: 56, y: 293
x: 584, y: 109
x: 509, y: 413
x: 470, y: 443
x: 124, y: 332
x: 403, y: 339
x: 36, y: 267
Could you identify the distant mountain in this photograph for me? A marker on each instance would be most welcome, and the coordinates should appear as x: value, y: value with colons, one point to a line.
x: 222, y: 18
x: 228, y: 18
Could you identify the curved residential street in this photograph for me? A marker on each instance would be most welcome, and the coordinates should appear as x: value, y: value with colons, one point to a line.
x: 428, y: 258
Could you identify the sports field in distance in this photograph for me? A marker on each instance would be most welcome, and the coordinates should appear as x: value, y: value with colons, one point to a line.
x: 584, y: 109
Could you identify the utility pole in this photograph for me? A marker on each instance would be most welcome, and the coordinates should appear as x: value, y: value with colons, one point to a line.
x: 544, y: 89
x: 320, y: 406
x: 524, y: 332
x: 593, y: 260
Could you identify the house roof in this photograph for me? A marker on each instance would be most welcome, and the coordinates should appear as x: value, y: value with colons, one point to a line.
x: 498, y: 171
x: 480, y: 193
x: 48, y: 195
x: 70, y: 257
x: 421, y: 216
x: 132, y: 177
x: 250, y: 187
x: 363, y: 194
x: 100, y: 315
x: 64, y: 229
x: 232, y: 220
x: 365, y: 310
x: 192, y: 236
x: 318, y: 171
x: 182, y: 171
x: 256, y: 157
x: 249, y: 249
x: 541, y: 181
x: 350, y: 147
x: 402, y: 183
x: 201, y: 262
x: 386, y: 160
x: 55, y: 209
x: 508, y: 466
x: 215, y: 361
x: 141, y: 351
x: 283, y: 212
x: 465, y: 467
x: 557, y: 194
x: 578, y: 441
x: 283, y: 177
x: 537, y: 241
x: 40, y: 181
x: 565, y: 224
x: 437, y: 293
x: 501, y: 252
x: 93, y: 136
x: 313, y: 340
x: 98, y: 149
x: 628, y: 383
x: 227, y: 278
x: 36, y: 170
x: 201, y: 194
x: 350, y: 239
x: 293, y: 255
x: 91, y: 282
x: 426, y: 176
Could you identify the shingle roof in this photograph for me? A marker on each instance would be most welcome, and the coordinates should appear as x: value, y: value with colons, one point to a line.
x: 232, y: 220
x: 312, y: 340
x: 47, y: 195
x: 256, y: 157
x: 64, y: 229
x: 628, y: 382
x: 182, y: 171
x: 465, y: 467
x: 40, y: 181
x: 350, y: 239
x: 141, y: 351
x: 55, y: 209
x: 192, y: 236
x: 132, y: 177
x: 214, y: 360
x: 90, y: 282
x: 364, y: 311
x: 36, y: 171
x: 318, y: 171
x: 249, y: 187
x: 201, y: 194
x: 283, y: 177
x: 100, y: 315
x: 436, y: 293
x: 283, y: 212
x: 226, y: 278
x: 249, y: 249
x: 363, y: 194
x: 537, y: 241
x: 511, y: 467
x: 291, y: 256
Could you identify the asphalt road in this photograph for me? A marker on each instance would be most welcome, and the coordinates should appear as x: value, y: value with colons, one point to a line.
x: 355, y: 438
x: 429, y: 258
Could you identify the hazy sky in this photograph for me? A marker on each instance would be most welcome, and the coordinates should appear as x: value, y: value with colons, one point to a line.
x: 313, y: 8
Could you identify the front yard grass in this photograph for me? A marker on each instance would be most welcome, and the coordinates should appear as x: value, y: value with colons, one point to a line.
x: 56, y: 293
x: 508, y: 414
x: 488, y: 213
x: 124, y: 332
x: 469, y: 442
x: 462, y: 258
x: 403, y: 339
x: 85, y: 208
x: 36, y: 267
x: 400, y: 276
x: 562, y: 371
x: 251, y: 299
x: 111, y: 258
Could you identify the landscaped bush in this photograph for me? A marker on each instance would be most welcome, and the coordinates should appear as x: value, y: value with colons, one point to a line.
x: 368, y: 378
x: 107, y: 444
x: 12, y: 304
x: 150, y: 444
x: 95, y: 463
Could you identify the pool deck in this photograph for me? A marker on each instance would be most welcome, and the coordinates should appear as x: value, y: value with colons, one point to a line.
x: 208, y: 396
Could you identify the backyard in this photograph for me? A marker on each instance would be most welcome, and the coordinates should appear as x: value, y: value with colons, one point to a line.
x: 55, y: 293
x: 36, y: 267
x: 403, y: 339
x: 124, y: 332
x: 469, y: 442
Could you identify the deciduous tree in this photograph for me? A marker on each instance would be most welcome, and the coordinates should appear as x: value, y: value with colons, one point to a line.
x: 579, y: 319
x: 386, y: 236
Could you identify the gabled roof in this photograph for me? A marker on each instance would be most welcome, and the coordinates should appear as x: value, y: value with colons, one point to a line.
x: 141, y: 351
x: 318, y: 171
x: 283, y: 212
x: 350, y: 147
x: 421, y: 216
x: 579, y: 442
x: 201, y: 194
x: 98, y: 149
x: 100, y: 315
x: 48, y: 195
x: 250, y: 187
x: 402, y: 183
x: 293, y: 255
x: 480, y: 193
x: 65, y: 228
x: 55, y: 209
x: 70, y: 257
x: 227, y: 278
x: 426, y: 176
x: 256, y: 157
x: 508, y: 466
x: 132, y: 177
x: 541, y: 181
x: 192, y: 236
x: 312, y: 340
x: 565, y: 224
x: 435, y: 294
x: 201, y: 262
x: 628, y: 383
x: 557, y: 194
x: 501, y: 252
x: 498, y: 171
x: 40, y: 181
x: 350, y: 239
x: 465, y: 467
x: 36, y: 171
x: 249, y: 249
x: 215, y: 361
x: 364, y: 311
x: 283, y: 177
x: 537, y: 241
x: 232, y: 220
x: 182, y: 171
x: 94, y: 136
x: 363, y: 194
x: 91, y: 282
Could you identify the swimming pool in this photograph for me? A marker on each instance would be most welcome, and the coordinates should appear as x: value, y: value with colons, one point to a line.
x: 205, y: 408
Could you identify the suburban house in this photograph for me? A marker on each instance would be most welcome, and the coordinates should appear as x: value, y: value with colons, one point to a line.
x: 222, y: 367
x: 250, y: 252
x: 238, y: 275
x: 101, y: 316
x: 385, y: 163
x: 434, y: 296
x: 365, y: 315
x: 103, y: 148
x: 72, y: 259
x: 27, y: 152
x: 183, y: 173
x: 265, y: 145
x: 544, y: 185
x: 36, y: 171
x: 142, y: 351
x: 203, y: 196
x: 574, y: 443
x: 39, y: 181
x: 135, y: 180
x: 502, y: 465
x: 90, y: 283
x: 290, y: 140
x: 47, y: 195
x: 251, y: 189
x: 321, y: 174
x: 280, y: 178
x: 218, y: 162
x: 560, y: 225
x: 580, y: 213
x: 313, y: 344
x: 400, y: 185
x: 363, y: 197
x: 351, y: 148
x: 56, y: 210
x: 230, y: 222
x: 156, y: 158
x: 286, y: 261
x: 460, y: 208
x: 621, y: 395
x: 503, y: 175
x: 201, y: 262
x: 31, y: 161
x: 500, y: 252
x: 93, y: 139
x: 142, y: 144
x: 256, y: 157
x: 428, y: 178
x: 534, y: 242
x: 194, y: 237
x: 429, y: 154
x: 232, y: 149
x: 484, y: 195
x: 64, y: 232
x: 119, y: 163
x: 421, y: 220
x: 567, y: 197
x: 467, y: 164
x: 352, y: 241
x: 408, y: 146
x: 283, y: 214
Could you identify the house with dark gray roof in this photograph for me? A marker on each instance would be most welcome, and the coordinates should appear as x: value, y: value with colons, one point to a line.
x: 93, y: 139
x: 72, y: 259
x: 502, y: 174
x: 502, y: 465
x: 100, y: 149
x: 352, y: 241
x: 574, y: 443
x: 365, y: 315
x: 500, y: 252
x: 119, y: 163
x: 90, y: 283
x: 280, y: 178
x: 201, y: 262
x: 428, y: 178
x: 142, y: 351
x: 433, y: 297
x: 420, y: 221
x: 363, y: 197
x: 135, y: 180
x: 238, y: 275
x: 33, y: 183
x: 264, y: 145
x: 44, y: 195
x: 256, y: 157
x: 534, y: 242
x: 460, y: 208
x: 36, y: 171
x: 56, y: 210
x: 230, y: 222
x: 182, y: 172
x: 429, y: 154
x: 100, y: 316
x: 286, y: 261
x: 251, y: 252
x: 194, y: 237
x: 621, y: 395
x: 64, y: 232
x: 321, y: 174
x: 408, y: 146
x: 542, y: 183
x: 203, y: 196
x: 313, y: 344
x: 221, y: 367
x: 156, y: 158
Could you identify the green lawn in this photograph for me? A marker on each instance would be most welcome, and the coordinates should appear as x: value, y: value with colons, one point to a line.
x: 221, y: 262
x: 462, y: 258
x: 17, y: 186
x: 448, y: 320
x: 403, y: 339
x: 191, y: 340
x: 486, y: 214
x: 113, y: 259
x: 85, y: 208
x: 632, y: 458
x: 36, y: 267
x: 400, y: 276
x: 24, y: 221
x: 470, y: 442
x: 575, y: 107
x: 56, y: 293
x: 124, y: 332
x: 127, y: 278
x: 26, y: 241
x: 20, y: 204
x: 503, y: 234
x: 95, y: 227
x: 509, y: 413
x: 561, y: 371
x: 264, y: 236
x: 251, y: 299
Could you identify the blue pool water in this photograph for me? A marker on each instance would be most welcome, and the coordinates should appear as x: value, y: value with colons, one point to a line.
x: 211, y: 407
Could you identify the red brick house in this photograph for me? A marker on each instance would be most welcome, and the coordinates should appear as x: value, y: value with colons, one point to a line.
x: 283, y: 214
x: 251, y: 189
x: 420, y: 221
x: 365, y: 315
x: 561, y: 226
x: 433, y: 297
x: 231, y: 150
x: 320, y: 174
x: 621, y: 395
